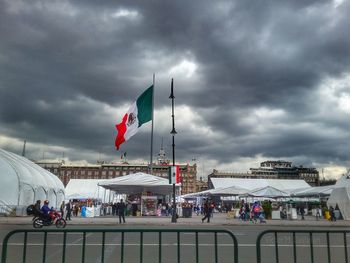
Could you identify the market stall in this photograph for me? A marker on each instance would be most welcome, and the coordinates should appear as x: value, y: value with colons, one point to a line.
x: 149, y: 205
x: 148, y: 189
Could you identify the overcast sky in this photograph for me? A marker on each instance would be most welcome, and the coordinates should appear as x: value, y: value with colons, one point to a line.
x: 254, y: 80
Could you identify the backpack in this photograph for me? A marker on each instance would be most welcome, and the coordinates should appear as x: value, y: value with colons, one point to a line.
x: 30, y: 210
x: 256, y: 209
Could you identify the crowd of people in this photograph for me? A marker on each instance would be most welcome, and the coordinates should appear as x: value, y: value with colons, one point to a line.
x: 253, y: 213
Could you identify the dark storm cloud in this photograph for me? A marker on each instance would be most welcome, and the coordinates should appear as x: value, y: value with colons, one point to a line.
x: 67, y: 65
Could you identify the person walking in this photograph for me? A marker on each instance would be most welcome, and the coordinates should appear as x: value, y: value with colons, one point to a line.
x: 68, y: 210
x: 198, y: 210
x: 302, y: 212
x: 247, y: 212
x: 206, y: 210
x: 331, y: 211
x: 318, y: 213
x: 256, y: 212
x: 121, y: 211
x: 62, y: 209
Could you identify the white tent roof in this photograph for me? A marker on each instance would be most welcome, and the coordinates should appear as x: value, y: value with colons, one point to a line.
x: 314, y: 191
x: 251, y: 184
x: 138, y: 183
x: 268, y: 191
x: 343, y: 181
x: 23, y: 182
x: 222, y: 191
x: 86, y: 189
x: 341, y: 197
x: 231, y: 190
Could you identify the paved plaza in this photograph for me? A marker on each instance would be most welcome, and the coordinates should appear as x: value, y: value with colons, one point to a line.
x: 217, y: 220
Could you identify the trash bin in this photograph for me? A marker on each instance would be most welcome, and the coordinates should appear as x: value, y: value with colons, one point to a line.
x: 186, y: 212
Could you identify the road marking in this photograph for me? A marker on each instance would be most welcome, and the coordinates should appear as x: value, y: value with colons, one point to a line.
x: 74, y: 243
x: 108, y: 251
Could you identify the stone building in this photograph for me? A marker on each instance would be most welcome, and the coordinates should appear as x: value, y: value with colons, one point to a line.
x: 273, y: 170
x: 201, y: 185
x: 102, y: 170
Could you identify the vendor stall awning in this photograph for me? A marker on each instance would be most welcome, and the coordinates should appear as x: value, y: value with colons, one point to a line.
x: 139, y: 183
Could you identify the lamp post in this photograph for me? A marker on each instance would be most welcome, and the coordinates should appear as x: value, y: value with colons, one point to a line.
x: 173, y: 132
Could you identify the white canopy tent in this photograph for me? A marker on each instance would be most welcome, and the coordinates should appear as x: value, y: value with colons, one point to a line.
x: 221, y: 191
x: 231, y: 190
x: 317, y: 191
x: 87, y: 189
x: 322, y: 191
x: 268, y: 191
x: 139, y: 183
x: 250, y: 184
x: 341, y: 196
x: 23, y: 182
x: 343, y: 181
x: 243, y: 186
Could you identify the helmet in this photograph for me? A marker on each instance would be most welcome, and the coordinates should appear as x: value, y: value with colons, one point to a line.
x: 46, y: 202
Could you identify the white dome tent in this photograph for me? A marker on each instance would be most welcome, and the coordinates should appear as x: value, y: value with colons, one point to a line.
x: 23, y: 182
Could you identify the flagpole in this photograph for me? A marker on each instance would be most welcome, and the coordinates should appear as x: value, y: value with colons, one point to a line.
x: 151, y: 161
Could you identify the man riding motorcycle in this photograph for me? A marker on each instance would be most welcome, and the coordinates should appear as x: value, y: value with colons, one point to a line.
x: 45, y: 209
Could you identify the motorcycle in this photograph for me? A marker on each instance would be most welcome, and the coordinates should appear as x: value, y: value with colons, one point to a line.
x: 53, y: 218
x: 40, y: 220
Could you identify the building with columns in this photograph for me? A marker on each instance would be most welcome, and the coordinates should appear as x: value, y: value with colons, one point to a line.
x: 101, y: 170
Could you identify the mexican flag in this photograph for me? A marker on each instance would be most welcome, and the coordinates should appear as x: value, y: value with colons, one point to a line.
x: 139, y: 113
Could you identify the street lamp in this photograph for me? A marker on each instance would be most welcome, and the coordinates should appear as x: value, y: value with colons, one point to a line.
x: 173, y: 133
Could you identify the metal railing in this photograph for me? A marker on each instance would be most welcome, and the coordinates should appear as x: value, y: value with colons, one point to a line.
x: 305, y: 239
x: 119, y: 241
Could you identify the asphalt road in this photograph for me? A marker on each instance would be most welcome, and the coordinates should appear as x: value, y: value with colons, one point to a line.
x: 245, y: 234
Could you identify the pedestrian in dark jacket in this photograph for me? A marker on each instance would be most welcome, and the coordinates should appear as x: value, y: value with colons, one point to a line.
x: 68, y: 210
x: 207, y: 212
x: 121, y: 211
x: 332, y: 214
x: 62, y: 209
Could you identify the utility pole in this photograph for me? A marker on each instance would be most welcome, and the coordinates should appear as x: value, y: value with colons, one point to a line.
x: 173, y: 133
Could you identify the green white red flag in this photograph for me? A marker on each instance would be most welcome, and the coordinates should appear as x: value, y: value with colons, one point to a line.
x: 174, y: 174
x: 139, y: 113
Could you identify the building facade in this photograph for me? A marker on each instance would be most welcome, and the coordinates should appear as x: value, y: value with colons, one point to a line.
x: 201, y: 185
x: 65, y: 172
x: 273, y: 170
